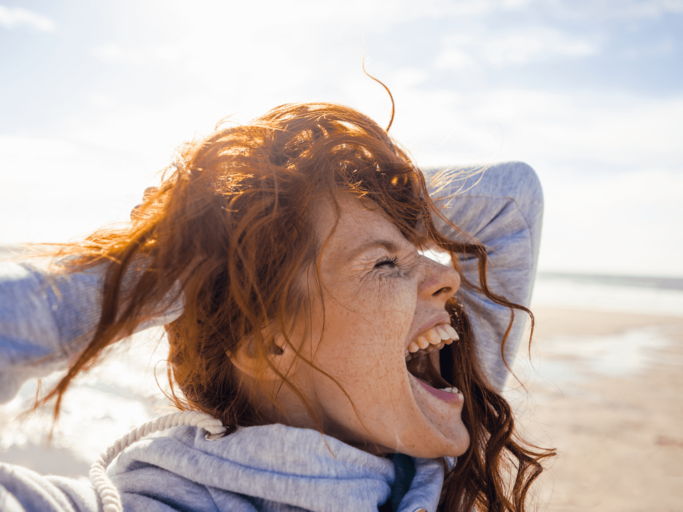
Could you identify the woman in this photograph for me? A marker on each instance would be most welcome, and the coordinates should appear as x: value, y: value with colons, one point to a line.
x: 348, y: 370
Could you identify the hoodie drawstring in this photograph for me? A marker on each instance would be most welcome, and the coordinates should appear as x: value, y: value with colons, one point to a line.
x: 106, y: 491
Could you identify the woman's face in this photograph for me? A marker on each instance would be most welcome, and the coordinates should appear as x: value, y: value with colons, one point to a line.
x: 378, y: 295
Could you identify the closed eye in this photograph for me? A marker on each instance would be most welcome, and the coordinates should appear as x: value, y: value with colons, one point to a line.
x: 387, y: 262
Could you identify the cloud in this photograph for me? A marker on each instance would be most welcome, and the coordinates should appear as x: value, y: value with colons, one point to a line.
x: 11, y: 17
x: 467, y: 52
x: 138, y: 56
x: 515, y: 4
x: 373, y: 13
x: 217, y: 30
x: 622, y: 130
x: 614, y: 224
x: 54, y: 189
x: 615, y: 133
x: 102, y: 100
x: 526, y: 46
x: 595, y: 10
x: 43, y: 149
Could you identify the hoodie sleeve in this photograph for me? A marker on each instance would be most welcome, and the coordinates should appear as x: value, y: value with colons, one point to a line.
x: 502, y: 208
x: 23, y: 490
x: 48, y: 318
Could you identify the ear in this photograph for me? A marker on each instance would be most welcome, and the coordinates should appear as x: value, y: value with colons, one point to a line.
x: 280, y: 354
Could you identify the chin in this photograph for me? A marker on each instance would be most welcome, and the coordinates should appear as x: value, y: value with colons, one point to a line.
x: 458, y: 448
x: 451, y: 444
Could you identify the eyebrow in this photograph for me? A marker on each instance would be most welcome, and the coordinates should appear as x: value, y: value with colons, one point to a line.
x: 371, y: 244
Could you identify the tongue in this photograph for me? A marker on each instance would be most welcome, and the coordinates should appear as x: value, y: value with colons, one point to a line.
x: 423, y: 369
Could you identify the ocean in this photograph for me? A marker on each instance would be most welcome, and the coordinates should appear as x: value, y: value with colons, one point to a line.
x: 634, y: 294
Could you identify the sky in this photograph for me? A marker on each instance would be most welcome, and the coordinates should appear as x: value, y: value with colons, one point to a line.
x: 95, y: 96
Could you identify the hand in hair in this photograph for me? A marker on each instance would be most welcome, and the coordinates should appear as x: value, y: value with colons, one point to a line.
x: 135, y: 212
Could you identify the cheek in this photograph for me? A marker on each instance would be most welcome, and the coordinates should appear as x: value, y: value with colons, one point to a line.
x: 387, y: 304
x: 366, y: 331
x: 386, y: 295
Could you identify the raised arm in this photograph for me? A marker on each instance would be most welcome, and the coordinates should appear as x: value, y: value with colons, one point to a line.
x: 47, y: 318
x: 503, y: 209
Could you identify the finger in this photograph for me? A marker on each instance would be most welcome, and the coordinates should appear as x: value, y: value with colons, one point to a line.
x: 135, y: 213
x: 149, y: 191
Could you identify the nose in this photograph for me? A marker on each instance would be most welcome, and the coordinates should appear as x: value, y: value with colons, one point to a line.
x: 439, y: 282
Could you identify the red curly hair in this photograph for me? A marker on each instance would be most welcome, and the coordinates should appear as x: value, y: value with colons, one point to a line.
x: 231, y: 221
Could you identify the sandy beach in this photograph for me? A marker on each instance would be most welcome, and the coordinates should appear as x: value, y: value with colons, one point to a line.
x: 618, y: 434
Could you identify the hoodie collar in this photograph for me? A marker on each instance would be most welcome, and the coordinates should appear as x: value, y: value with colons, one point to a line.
x: 293, y: 466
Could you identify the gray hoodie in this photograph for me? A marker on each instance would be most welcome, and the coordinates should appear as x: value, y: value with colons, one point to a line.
x: 273, y: 467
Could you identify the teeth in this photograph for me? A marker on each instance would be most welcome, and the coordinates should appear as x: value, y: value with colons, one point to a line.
x: 453, y: 335
x: 434, y: 339
x: 452, y: 390
x: 422, y: 342
x: 442, y: 333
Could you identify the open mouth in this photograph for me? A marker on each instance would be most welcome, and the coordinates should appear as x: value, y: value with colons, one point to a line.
x: 420, y: 362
